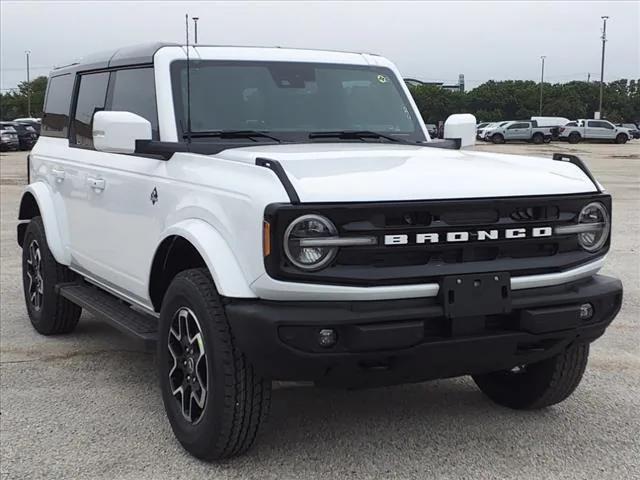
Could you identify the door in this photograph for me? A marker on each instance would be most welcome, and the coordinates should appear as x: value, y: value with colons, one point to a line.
x: 49, y: 161
x: 517, y: 131
x: 599, y: 130
x: 89, y: 96
x: 117, y: 219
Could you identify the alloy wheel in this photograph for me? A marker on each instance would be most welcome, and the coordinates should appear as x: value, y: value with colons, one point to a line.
x: 188, y: 372
x: 34, y: 274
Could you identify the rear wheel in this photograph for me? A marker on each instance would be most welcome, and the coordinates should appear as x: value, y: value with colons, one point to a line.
x: 537, y: 138
x: 574, y: 137
x: 497, y: 138
x: 49, y: 312
x: 538, y: 385
x: 622, y: 138
x: 215, y: 401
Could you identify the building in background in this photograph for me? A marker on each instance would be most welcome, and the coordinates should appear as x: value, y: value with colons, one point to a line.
x: 455, y: 87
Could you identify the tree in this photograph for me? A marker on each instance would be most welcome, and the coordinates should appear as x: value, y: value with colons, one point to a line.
x: 519, y: 100
x: 14, y: 104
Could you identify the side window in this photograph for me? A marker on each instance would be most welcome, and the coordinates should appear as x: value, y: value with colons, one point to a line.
x: 133, y: 90
x: 518, y: 125
x: 91, y: 96
x: 572, y: 124
x: 600, y: 124
x: 55, y: 120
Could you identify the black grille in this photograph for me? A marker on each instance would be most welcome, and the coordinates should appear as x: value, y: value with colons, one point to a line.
x: 412, y: 263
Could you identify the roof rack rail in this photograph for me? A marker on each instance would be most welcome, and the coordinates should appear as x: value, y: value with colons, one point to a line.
x: 58, y: 67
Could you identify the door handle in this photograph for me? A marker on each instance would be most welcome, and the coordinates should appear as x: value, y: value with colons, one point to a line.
x: 58, y: 174
x: 97, y: 184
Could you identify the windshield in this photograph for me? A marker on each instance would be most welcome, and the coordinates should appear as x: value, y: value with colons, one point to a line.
x: 292, y: 100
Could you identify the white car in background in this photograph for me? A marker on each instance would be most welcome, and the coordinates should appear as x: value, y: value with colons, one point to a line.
x: 482, y: 132
x: 597, y: 130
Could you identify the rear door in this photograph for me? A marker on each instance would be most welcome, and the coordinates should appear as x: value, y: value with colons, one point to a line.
x: 49, y: 161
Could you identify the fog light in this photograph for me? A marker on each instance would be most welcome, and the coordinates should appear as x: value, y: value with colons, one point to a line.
x: 327, y: 337
x: 586, y: 311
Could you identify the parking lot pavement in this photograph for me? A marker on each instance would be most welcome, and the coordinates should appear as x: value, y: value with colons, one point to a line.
x: 87, y: 405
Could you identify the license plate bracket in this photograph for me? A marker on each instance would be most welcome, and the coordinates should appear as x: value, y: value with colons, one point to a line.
x: 476, y: 294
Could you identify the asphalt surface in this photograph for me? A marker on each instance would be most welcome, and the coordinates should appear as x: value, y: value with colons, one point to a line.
x: 87, y: 405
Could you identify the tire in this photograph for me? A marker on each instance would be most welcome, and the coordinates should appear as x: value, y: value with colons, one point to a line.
x: 574, y: 137
x: 50, y: 314
x: 225, y: 420
x: 538, y: 385
x: 497, y: 138
x: 621, y: 138
x: 547, y: 139
x: 537, y: 138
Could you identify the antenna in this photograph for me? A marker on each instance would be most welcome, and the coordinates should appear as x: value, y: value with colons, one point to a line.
x: 186, y: 23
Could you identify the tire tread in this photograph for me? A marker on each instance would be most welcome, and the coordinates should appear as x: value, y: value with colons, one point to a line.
x: 546, y: 383
x: 247, y: 396
x: 65, y: 314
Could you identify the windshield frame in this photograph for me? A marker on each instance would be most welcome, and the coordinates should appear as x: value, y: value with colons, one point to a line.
x: 300, y: 136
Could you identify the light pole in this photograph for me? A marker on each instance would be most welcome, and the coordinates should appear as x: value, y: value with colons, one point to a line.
x: 541, y: 83
x: 27, y: 52
x: 604, y: 40
x: 195, y: 32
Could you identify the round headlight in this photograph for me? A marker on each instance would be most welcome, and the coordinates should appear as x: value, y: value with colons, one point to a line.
x: 309, y: 227
x: 596, y: 214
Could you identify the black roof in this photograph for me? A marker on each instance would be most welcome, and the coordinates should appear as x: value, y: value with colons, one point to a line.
x: 133, y: 55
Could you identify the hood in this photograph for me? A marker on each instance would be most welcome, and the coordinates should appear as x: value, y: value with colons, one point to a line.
x: 354, y: 172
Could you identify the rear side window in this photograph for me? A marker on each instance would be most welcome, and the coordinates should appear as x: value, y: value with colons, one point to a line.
x: 55, y: 120
x: 91, y: 97
x: 133, y: 90
x: 600, y: 124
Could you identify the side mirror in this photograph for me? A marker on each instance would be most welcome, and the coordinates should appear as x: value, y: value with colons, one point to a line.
x: 461, y: 126
x: 117, y: 132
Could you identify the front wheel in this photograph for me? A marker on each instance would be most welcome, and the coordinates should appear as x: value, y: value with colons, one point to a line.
x: 621, y: 138
x: 215, y: 401
x: 538, y: 385
x: 497, y: 138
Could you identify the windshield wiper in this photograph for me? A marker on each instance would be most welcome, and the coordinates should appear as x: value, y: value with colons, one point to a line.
x: 355, y: 135
x: 251, y: 134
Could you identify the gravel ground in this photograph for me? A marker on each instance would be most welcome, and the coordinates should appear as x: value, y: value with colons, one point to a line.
x: 88, y: 406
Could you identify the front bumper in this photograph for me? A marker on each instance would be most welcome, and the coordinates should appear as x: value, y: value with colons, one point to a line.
x: 398, y: 341
x: 9, y: 145
x: 27, y: 142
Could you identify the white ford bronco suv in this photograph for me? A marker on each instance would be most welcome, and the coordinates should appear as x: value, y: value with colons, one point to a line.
x: 261, y: 214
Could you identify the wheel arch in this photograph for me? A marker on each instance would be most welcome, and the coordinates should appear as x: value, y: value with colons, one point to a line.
x: 195, y: 243
x: 36, y: 200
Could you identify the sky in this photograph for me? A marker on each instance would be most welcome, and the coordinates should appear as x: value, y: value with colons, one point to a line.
x: 428, y: 40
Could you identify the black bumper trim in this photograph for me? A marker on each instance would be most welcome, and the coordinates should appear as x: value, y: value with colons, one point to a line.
x: 397, y: 341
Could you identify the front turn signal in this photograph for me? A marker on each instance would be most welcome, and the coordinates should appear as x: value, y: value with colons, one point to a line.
x: 266, y: 238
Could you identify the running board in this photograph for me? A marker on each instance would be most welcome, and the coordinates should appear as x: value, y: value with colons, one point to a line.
x: 114, y: 311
